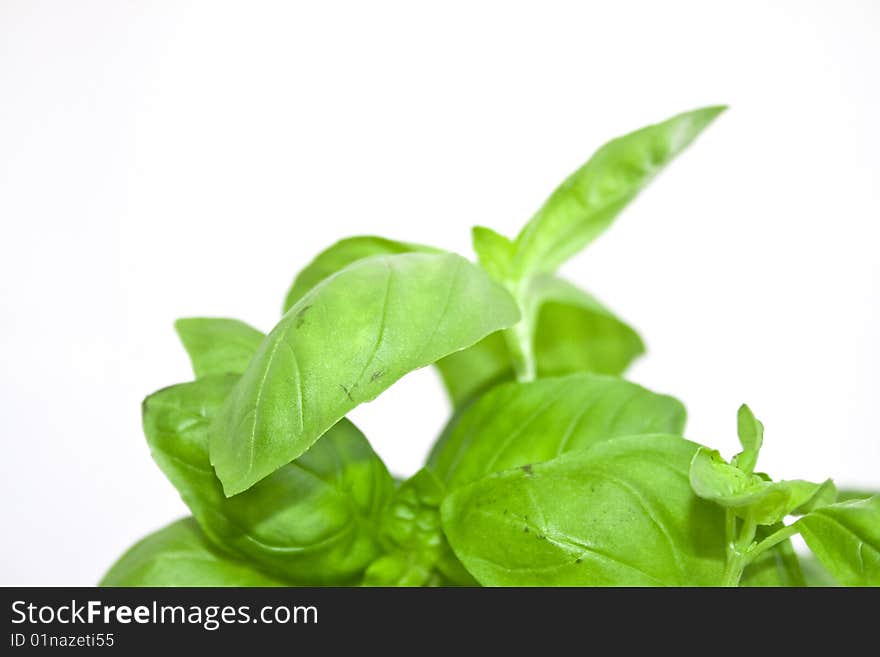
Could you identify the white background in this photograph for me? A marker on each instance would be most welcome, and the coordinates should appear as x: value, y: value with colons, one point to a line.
x: 166, y: 159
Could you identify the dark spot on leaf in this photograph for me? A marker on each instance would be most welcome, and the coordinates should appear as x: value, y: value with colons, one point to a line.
x: 505, y: 511
x: 527, y: 468
x: 578, y: 560
x: 526, y: 530
x: 347, y: 392
x: 377, y: 375
x: 540, y: 536
x: 301, y: 316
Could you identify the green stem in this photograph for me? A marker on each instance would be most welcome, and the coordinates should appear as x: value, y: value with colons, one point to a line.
x: 729, y: 532
x: 739, y: 557
x: 520, y: 337
x: 733, y: 571
x: 771, y: 541
x: 519, y: 342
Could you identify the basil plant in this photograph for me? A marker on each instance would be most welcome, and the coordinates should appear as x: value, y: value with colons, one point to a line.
x: 552, y: 471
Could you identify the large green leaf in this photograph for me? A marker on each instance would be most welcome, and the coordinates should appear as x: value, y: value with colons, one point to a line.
x: 465, y: 372
x: 815, y: 574
x: 845, y: 537
x: 621, y: 513
x: 340, y: 255
x: 217, y: 345
x: 343, y: 343
x: 522, y: 423
x: 181, y: 555
x: 313, y: 520
x: 572, y: 332
x: 586, y: 203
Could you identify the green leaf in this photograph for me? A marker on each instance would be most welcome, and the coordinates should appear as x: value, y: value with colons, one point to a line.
x: 583, y: 206
x: 845, y: 537
x: 344, y: 343
x: 767, y: 502
x: 180, y: 555
x: 453, y: 572
x: 778, y: 566
x: 618, y: 514
x: 465, y: 373
x: 713, y: 478
x: 807, y: 496
x: 749, y: 429
x: 576, y: 333
x: 494, y: 252
x: 572, y: 332
x: 815, y: 574
x: 845, y: 494
x: 518, y: 424
x: 469, y: 373
x: 216, y: 345
x: 313, y: 520
x: 751, y: 437
x: 340, y: 255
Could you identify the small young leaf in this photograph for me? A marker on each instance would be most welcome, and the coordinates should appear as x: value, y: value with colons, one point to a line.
x: 340, y: 255
x: 216, y: 345
x: 180, y: 555
x: 344, y: 343
x: 312, y: 521
x: 518, y: 424
x: 713, y: 478
x: 583, y: 206
x: 767, y: 502
x: 399, y: 569
x: 411, y: 534
x: 494, y: 252
x: 620, y: 513
x: 749, y: 429
x: 411, y: 520
x: 751, y: 437
x: 845, y: 537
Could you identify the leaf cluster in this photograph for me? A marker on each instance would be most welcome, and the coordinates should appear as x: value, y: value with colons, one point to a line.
x: 553, y: 469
